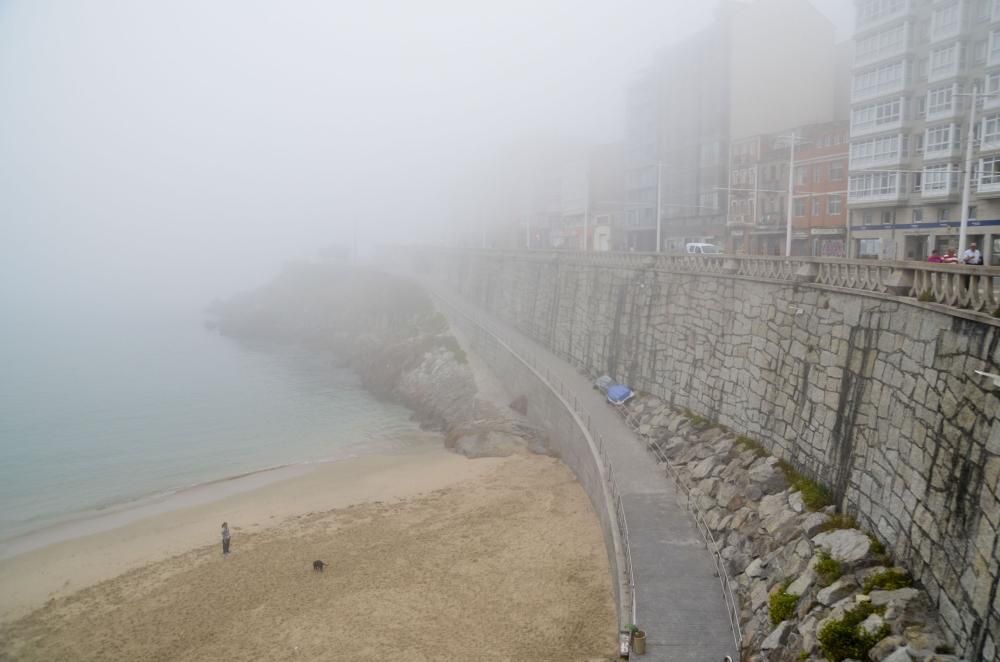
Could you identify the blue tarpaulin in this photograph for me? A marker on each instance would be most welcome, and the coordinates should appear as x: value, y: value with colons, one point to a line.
x: 619, y: 394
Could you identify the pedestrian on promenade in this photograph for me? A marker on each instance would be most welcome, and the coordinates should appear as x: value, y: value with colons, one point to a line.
x: 950, y: 257
x: 972, y: 255
x: 935, y: 256
x: 225, y: 539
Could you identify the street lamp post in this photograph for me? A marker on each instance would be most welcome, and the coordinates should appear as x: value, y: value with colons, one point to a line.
x: 659, y: 205
x: 791, y: 193
x: 963, y: 229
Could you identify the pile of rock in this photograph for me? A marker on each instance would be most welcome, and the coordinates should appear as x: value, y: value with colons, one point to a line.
x: 797, y: 574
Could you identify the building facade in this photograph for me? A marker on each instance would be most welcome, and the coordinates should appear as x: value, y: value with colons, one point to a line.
x: 706, y: 91
x: 916, y: 64
x: 758, y: 192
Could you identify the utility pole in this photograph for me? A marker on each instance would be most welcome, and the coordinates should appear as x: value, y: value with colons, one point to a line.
x: 791, y: 193
x: 659, y: 206
x: 967, y: 184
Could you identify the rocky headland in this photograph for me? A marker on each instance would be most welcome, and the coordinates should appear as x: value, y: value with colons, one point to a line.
x: 387, y: 329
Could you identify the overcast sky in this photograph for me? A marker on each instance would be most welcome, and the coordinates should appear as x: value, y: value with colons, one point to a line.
x: 185, y: 148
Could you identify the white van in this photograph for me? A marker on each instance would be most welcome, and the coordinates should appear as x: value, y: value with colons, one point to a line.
x: 702, y: 249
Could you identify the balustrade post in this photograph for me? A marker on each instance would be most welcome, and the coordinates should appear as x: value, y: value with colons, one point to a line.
x: 900, y: 281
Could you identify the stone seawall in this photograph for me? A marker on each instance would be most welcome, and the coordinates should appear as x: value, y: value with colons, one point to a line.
x: 872, y: 395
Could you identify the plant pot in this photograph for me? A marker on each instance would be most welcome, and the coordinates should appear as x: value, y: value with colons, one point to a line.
x: 639, y: 642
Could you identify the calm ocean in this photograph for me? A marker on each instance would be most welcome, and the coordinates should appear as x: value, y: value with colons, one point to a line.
x: 98, y: 414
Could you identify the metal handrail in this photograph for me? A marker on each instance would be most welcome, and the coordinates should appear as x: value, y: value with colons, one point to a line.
x: 621, y: 520
x: 728, y: 596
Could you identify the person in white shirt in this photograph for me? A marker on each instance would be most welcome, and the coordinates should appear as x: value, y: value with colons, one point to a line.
x: 972, y: 255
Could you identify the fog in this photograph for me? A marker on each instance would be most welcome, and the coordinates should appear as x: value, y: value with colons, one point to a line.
x: 177, y: 151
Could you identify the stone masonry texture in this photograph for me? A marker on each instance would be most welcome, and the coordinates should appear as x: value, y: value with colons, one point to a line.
x: 872, y: 396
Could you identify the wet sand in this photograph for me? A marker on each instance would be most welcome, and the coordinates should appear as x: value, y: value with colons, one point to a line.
x: 432, y: 556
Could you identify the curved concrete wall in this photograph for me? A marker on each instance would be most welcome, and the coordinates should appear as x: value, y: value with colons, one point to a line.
x: 870, y: 394
x: 567, y: 436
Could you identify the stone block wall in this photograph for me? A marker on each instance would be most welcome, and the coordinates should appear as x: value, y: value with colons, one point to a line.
x: 872, y: 396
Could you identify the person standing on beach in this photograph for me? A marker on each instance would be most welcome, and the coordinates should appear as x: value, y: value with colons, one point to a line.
x: 225, y: 539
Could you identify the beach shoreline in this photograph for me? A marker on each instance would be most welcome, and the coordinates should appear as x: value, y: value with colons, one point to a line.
x: 50, y: 564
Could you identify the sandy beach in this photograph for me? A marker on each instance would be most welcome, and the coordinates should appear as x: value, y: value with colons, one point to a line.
x: 432, y: 556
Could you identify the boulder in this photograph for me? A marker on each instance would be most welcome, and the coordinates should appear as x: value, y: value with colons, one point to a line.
x: 778, y: 636
x: 813, y: 523
x: 872, y: 624
x: 880, y: 598
x: 802, y: 583
x: 795, y: 502
x: 758, y: 595
x: 771, y: 505
x: 921, y: 641
x: 846, y: 545
x: 768, y: 479
x: 898, y: 655
x: 836, y: 591
x: 885, y: 647
x: 703, y: 469
x: 673, y: 447
x: 756, y: 568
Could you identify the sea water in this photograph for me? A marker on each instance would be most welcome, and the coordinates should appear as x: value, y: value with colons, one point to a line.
x: 97, y: 414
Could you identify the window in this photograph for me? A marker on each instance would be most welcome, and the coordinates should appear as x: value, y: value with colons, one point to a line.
x: 799, y: 207
x: 918, y: 215
x: 801, y: 173
x: 817, y: 207
x: 874, y: 184
x: 921, y: 107
x: 979, y: 52
x: 876, y: 115
x: 993, y: 83
x: 990, y: 135
x: 972, y: 212
x: 943, y: 214
x: 709, y: 202
x: 876, y: 150
x: 879, y: 80
x: 944, y: 62
x: 873, y: 10
x: 869, y: 248
x: 989, y: 171
x: 888, y: 217
x: 881, y: 43
x: 937, y: 178
x: 939, y: 100
x: 945, y: 21
x: 836, y: 171
x: 917, y: 181
x: 940, y: 138
x: 817, y: 174
x: 994, y: 55
x: 868, y: 218
x: 833, y: 205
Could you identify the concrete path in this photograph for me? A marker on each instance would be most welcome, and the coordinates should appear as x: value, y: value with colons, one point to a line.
x: 679, y: 600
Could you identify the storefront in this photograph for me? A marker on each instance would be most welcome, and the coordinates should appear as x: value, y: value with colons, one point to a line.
x: 915, y: 241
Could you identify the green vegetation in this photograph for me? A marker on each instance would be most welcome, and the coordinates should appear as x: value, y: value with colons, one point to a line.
x: 450, y: 344
x: 839, y: 521
x: 803, y: 656
x: 828, y: 569
x: 749, y: 444
x: 696, y: 420
x: 814, y: 495
x: 926, y: 295
x: 889, y: 580
x: 782, y: 605
x: 844, y: 638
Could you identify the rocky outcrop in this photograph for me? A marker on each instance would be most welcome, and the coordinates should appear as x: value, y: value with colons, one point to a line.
x: 810, y: 585
x: 387, y: 329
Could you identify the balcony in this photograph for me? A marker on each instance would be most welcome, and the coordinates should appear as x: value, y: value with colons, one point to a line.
x: 945, y: 63
x: 879, y: 156
x: 876, y: 188
x: 881, y: 81
x: 942, y: 142
x: 995, y: 11
x: 884, y: 45
x: 938, y: 184
x: 880, y: 12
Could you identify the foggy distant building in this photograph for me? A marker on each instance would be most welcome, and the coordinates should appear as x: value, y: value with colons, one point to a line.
x: 915, y: 62
x: 747, y: 74
x: 758, y: 192
x: 591, y: 190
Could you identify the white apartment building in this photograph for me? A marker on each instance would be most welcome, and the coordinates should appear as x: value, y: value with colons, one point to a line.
x: 915, y: 65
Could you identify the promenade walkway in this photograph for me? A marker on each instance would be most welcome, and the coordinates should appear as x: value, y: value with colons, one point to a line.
x: 679, y: 600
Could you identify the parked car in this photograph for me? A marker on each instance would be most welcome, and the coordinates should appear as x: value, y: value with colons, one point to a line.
x: 617, y: 394
x: 702, y: 249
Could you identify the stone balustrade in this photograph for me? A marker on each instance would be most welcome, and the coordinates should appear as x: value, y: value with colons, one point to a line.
x: 964, y: 287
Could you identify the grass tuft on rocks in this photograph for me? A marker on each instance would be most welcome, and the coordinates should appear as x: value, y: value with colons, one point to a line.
x: 845, y: 639
x: 749, y: 444
x: 828, y: 569
x: 814, y: 496
x: 889, y: 580
x: 782, y: 604
x: 839, y: 521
